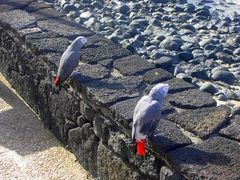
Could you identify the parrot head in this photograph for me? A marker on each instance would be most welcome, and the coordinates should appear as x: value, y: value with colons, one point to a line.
x: 78, y: 43
x: 159, y: 92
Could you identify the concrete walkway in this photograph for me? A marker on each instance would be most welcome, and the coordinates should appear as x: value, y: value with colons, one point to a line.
x: 27, y: 149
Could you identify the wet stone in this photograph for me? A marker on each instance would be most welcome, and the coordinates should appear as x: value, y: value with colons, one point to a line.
x: 192, y: 99
x: 109, y: 91
x: 107, y: 51
x: 215, y: 158
x: 233, y: 130
x: 34, y: 6
x: 86, y: 72
x: 132, y: 65
x: 167, y: 136
x: 202, y: 122
x: 12, y: 18
x: 156, y: 75
x: 64, y: 27
x: 46, y: 13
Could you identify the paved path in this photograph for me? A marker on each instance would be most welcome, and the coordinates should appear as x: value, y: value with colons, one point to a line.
x: 27, y: 149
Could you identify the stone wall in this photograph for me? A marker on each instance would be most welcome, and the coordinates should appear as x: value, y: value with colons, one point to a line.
x: 92, y: 113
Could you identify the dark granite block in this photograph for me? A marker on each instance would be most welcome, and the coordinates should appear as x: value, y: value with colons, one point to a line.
x: 34, y: 6
x: 84, y: 144
x: 87, y: 72
x: 46, y: 13
x: 45, y: 44
x: 215, y: 158
x: 132, y: 65
x: 167, y: 136
x: 64, y: 27
x: 178, y: 85
x: 111, y: 166
x: 191, y: 99
x: 6, y: 7
x: 12, y: 18
x: 24, y: 32
x: 96, y: 40
x: 109, y: 91
x: 202, y: 122
x: 233, y: 130
x: 123, y: 111
x: 175, y: 85
x: 14, y: 4
x: 126, y: 149
x: 156, y: 75
x: 107, y: 51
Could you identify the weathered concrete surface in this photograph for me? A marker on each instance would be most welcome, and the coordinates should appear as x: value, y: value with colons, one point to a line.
x: 27, y: 149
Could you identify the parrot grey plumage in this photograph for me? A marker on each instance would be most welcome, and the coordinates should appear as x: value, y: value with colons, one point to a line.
x: 69, y: 60
x: 147, y: 110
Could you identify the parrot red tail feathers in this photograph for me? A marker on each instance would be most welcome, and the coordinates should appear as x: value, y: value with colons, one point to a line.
x: 56, y: 81
x: 141, y: 147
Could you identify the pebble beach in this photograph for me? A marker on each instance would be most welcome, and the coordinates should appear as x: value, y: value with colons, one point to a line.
x: 196, y: 40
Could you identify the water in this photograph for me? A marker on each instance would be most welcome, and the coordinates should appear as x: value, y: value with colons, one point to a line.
x: 220, y: 8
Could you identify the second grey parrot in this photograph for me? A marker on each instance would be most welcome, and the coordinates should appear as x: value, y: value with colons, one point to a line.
x: 147, y: 110
x: 69, y: 60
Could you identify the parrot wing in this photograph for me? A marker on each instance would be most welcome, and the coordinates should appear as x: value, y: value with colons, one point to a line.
x: 68, y: 63
x: 146, y: 113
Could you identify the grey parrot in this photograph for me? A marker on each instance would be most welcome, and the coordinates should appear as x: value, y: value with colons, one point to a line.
x: 69, y: 60
x: 147, y: 110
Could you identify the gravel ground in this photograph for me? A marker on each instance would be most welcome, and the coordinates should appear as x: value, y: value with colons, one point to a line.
x: 196, y: 40
x: 27, y: 149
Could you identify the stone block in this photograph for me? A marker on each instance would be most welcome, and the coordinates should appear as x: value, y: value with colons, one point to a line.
x: 168, y: 174
x: 64, y: 27
x: 84, y: 145
x: 167, y: 136
x: 126, y: 149
x: 110, y: 166
x: 156, y: 75
x: 107, y: 51
x: 232, y: 131
x: 111, y: 90
x: 34, y: 6
x: 191, y: 99
x: 132, y: 65
x: 90, y: 72
x: 202, y: 122
x: 46, y: 13
x: 44, y: 44
x: 215, y: 158
x: 12, y: 19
